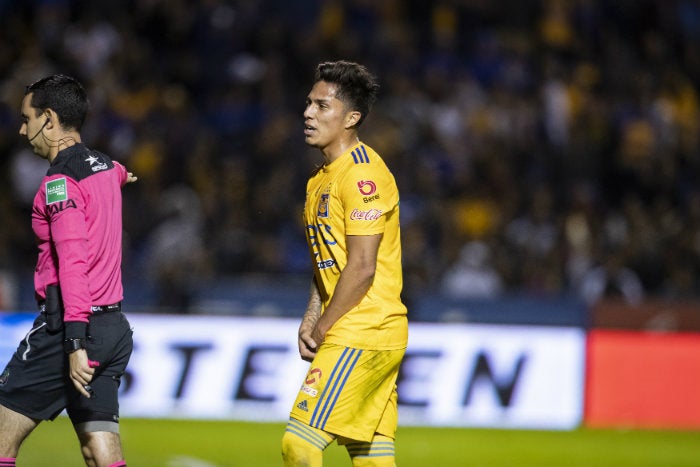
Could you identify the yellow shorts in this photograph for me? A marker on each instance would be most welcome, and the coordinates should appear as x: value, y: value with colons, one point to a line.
x: 350, y: 393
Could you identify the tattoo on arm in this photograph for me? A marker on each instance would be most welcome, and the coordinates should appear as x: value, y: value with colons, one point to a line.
x: 313, y: 309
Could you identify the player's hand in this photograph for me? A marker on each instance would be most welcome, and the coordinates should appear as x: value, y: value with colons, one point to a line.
x: 307, y: 346
x: 317, y: 336
x: 80, y: 372
x: 130, y: 177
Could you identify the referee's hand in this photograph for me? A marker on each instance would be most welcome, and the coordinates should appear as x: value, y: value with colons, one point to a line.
x: 80, y: 371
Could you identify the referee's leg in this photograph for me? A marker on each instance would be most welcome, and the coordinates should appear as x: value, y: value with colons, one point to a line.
x: 101, y: 449
x: 14, y: 429
x: 96, y: 419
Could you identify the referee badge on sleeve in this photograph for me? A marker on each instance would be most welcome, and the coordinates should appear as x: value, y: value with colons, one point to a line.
x: 56, y: 191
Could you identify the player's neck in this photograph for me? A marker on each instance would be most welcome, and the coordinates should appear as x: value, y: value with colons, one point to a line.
x: 336, y: 149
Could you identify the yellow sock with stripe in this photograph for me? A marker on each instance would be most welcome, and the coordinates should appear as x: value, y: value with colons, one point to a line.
x: 302, y: 445
x: 378, y: 453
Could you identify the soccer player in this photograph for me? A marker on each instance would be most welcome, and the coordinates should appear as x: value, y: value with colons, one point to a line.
x: 354, y: 331
x: 80, y: 343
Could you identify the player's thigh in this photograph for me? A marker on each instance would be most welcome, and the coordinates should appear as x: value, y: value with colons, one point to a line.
x: 390, y: 417
x: 346, y: 390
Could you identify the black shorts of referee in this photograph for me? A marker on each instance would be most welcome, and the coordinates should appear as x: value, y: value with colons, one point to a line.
x: 35, y: 382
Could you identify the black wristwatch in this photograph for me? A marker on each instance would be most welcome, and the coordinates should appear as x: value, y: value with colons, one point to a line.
x: 71, y: 345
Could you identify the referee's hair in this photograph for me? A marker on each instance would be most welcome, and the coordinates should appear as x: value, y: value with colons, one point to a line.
x: 62, y: 94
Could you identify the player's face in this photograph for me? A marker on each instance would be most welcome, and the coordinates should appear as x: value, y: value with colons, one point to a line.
x: 325, y: 116
x: 33, y: 126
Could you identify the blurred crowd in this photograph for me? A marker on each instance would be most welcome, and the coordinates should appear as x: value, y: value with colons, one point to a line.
x: 542, y: 147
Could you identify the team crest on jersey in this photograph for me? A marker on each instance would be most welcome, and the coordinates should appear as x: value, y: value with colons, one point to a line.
x: 323, y: 206
x: 56, y: 191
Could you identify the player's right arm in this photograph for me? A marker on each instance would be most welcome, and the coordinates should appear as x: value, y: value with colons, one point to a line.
x: 307, y: 346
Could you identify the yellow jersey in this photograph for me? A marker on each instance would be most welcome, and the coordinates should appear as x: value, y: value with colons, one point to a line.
x: 356, y: 194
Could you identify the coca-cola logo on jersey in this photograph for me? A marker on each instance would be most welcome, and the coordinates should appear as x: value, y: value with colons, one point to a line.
x: 369, y: 215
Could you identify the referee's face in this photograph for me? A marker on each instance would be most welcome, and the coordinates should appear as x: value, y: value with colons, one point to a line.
x: 33, y: 126
x: 325, y: 116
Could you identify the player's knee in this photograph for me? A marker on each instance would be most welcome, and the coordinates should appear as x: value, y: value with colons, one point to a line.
x: 302, y: 445
x: 297, y: 452
x: 378, y: 453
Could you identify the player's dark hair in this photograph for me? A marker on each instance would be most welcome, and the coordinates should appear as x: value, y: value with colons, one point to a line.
x: 62, y: 94
x: 357, y: 87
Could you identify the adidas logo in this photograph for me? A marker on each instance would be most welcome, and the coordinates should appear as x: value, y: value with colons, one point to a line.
x: 303, y: 406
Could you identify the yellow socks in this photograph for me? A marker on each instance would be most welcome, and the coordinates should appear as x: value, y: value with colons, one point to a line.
x: 302, y: 445
x: 378, y: 453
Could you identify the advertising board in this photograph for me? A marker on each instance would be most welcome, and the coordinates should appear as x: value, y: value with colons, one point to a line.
x: 217, y: 367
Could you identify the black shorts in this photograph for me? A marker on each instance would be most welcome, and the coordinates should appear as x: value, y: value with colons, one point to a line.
x: 36, y: 384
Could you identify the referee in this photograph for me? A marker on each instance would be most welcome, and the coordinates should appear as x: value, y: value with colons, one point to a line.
x: 80, y: 343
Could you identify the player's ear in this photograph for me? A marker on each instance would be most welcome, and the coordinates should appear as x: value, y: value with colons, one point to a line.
x: 352, y: 118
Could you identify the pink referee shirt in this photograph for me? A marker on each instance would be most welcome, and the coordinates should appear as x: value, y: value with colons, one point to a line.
x: 77, y: 221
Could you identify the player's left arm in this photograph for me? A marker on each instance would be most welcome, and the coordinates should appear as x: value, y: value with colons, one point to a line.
x: 307, y: 345
x: 353, y: 283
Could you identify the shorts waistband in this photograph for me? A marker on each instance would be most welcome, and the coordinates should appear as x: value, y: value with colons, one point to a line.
x: 99, y: 309
x: 95, y: 309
